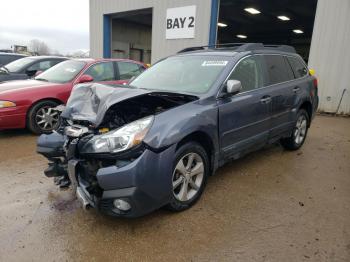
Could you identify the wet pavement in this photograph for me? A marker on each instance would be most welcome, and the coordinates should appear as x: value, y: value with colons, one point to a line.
x: 272, y: 205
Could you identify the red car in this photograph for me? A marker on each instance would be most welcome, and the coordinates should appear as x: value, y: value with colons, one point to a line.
x: 29, y: 103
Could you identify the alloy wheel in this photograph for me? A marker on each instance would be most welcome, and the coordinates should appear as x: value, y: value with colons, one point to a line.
x: 47, y: 118
x: 300, y: 130
x: 188, y: 177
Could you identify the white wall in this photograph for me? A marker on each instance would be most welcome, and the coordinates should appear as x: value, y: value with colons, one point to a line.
x: 330, y: 54
x: 162, y: 46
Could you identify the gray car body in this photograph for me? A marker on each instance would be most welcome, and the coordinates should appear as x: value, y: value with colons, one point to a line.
x: 227, y: 126
x: 218, y: 117
x: 6, y: 58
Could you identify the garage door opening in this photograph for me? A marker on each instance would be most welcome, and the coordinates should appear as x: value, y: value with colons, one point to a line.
x: 287, y: 22
x: 132, y: 35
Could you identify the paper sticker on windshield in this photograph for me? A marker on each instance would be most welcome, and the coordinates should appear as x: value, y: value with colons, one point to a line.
x: 71, y: 70
x: 215, y: 63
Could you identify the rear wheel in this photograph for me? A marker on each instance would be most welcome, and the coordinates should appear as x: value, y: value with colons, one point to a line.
x: 42, y: 119
x: 298, y: 136
x: 190, y: 172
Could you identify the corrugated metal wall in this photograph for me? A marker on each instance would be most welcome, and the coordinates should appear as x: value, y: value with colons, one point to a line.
x: 330, y: 54
x: 162, y: 46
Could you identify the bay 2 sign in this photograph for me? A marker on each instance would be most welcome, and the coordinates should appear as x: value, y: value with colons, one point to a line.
x: 180, y: 22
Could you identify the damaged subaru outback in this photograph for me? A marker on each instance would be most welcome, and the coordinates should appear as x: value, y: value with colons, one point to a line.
x: 129, y: 150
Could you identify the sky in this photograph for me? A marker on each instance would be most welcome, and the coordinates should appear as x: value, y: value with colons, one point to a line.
x: 63, y: 25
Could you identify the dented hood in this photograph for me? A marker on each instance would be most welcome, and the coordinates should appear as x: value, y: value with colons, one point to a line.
x: 90, y: 101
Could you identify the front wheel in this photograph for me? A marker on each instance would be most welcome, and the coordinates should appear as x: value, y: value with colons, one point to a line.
x: 42, y: 118
x: 298, y: 136
x: 190, y: 172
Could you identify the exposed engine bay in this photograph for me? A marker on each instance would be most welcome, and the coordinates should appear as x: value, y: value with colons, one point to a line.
x: 135, y: 108
x: 112, y: 106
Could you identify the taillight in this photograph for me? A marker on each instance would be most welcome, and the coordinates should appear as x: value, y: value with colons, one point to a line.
x: 313, y: 90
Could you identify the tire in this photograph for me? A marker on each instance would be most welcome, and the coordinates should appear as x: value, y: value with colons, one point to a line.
x: 299, y: 133
x: 42, y: 111
x: 183, y: 176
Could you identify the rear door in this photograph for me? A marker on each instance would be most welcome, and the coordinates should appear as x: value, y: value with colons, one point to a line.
x: 128, y: 70
x: 244, y: 119
x: 282, y: 87
x: 304, y: 85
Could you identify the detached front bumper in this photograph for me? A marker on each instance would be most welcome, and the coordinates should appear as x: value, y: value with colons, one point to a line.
x: 145, y: 184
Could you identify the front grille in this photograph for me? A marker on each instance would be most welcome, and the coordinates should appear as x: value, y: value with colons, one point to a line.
x: 87, y: 173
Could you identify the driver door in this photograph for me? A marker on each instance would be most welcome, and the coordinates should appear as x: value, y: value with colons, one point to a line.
x: 244, y: 118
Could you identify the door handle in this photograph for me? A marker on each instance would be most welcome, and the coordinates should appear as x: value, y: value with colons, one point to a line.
x: 265, y: 99
x: 296, y: 89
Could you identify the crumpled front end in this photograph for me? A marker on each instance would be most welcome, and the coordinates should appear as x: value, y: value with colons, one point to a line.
x: 129, y: 186
x: 100, y: 150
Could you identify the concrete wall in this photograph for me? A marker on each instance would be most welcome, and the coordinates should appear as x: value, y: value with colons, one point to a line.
x: 330, y: 54
x: 164, y: 47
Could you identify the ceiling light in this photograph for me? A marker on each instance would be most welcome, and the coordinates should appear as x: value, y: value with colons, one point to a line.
x: 298, y: 31
x: 222, y: 25
x: 283, y: 18
x: 253, y: 11
x: 241, y: 36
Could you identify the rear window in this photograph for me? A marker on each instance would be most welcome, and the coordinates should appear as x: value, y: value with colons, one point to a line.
x: 18, y: 65
x: 278, y: 69
x: 298, y: 66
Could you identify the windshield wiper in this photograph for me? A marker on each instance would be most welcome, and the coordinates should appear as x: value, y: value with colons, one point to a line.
x: 42, y: 79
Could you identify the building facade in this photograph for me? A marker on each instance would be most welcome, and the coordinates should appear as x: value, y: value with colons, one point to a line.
x: 149, y: 30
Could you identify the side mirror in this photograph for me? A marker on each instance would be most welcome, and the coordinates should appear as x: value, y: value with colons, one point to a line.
x: 85, y: 79
x: 233, y: 87
x: 37, y: 73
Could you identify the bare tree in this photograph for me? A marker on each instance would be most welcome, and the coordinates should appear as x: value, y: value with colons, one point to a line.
x: 39, y: 47
x: 80, y: 54
x: 55, y: 53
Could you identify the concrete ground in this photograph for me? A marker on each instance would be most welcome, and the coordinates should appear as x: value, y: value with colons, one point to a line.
x: 272, y: 205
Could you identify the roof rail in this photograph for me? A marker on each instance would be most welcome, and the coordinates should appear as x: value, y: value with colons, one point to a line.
x: 240, y: 47
x: 284, y: 48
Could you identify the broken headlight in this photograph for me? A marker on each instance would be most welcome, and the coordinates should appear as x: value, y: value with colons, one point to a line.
x: 121, y: 139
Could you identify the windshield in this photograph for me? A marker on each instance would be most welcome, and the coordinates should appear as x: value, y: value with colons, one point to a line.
x: 18, y: 65
x: 63, y: 72
x: 193, y: 74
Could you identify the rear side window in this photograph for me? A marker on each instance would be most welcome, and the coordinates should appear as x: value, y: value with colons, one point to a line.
x: 278, y: 69
x: 101, y: 72
x: 128, y: 70
x: 298, y: 66
x: 42, y: 66
x: 249, y: 72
